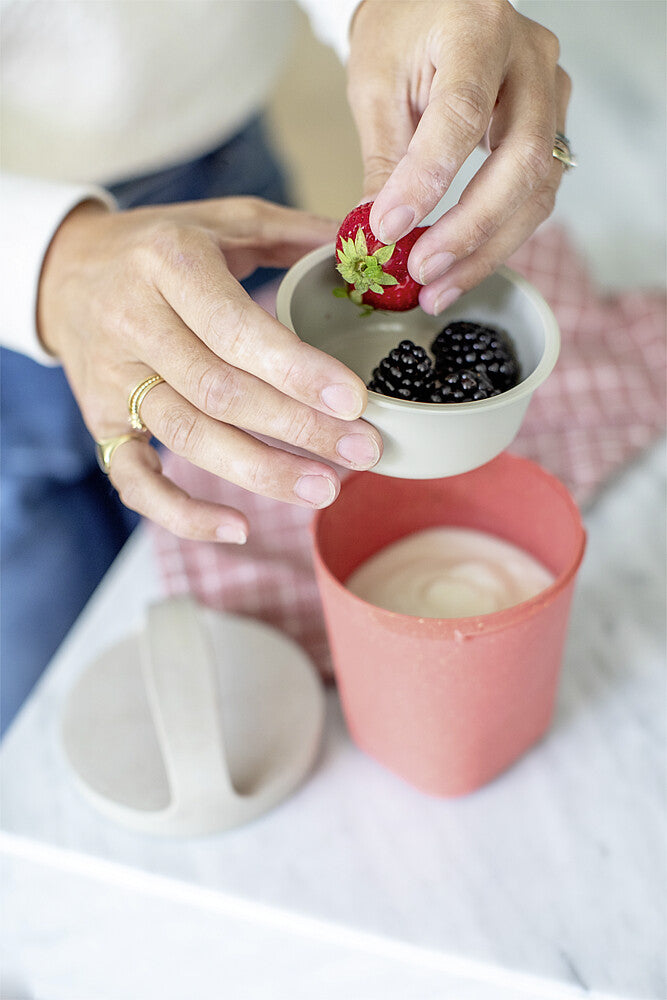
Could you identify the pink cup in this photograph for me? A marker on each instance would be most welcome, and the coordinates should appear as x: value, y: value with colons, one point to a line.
x: 448, y: 704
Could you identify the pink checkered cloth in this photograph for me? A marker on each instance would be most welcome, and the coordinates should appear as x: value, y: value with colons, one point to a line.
x: 604, y: 402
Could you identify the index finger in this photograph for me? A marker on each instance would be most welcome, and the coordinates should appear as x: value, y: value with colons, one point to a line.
x: 524, y: 124
x: 461, y: 101
x: 199, y: 287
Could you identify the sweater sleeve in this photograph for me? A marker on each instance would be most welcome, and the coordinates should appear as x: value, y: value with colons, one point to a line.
x: 331, y: 22
x: 31, y: 211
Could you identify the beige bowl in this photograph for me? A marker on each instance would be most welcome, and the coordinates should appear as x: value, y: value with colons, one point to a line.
x: 425, y: 440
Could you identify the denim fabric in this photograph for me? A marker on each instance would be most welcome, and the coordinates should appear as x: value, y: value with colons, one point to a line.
x: 62, y: 523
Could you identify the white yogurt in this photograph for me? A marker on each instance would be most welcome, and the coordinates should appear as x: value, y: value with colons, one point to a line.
x: 449, y: 573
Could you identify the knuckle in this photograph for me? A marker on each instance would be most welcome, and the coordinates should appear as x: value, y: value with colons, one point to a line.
x: 303, y: 428
x: 294, y: 372
x: 159, y: 241
x: 534, y: 159
x: 468, y: 108
x: 482, y: 228
x: 367, y: 90
x: 118, y: 328
x: 132, y: 495
x: 180, y: 430
x: 290, y: 375
x: 167, y: 243
x: 229, y: 326
x: 545, y: 201
x: 548, y: 43
x: 498, y: 15
x: 255, y: 210
x: 257, y: 477
x: 249, y: 214
x: 176, y: 517
x: 251, y: 207
x: 431, y: 177
x: 214, y: 390
x: 378, y: 166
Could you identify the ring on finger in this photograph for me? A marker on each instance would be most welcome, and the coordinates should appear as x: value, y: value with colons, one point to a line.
x: 104, y: 449
x: 563, y: 152
x: 137, y: 397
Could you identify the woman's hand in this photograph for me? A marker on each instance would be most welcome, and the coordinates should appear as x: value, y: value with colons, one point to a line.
x: 123, y: 295
x: 429, y: 80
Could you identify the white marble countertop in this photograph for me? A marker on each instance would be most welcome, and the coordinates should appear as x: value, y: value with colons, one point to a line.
x: 548, y: 883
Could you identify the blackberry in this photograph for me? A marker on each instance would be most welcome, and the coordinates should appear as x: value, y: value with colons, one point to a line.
x: 462, y: 387
x: 406, y: 373
x: 469, y: 346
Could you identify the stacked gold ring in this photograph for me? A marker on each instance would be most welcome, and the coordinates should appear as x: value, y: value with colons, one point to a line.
x: 563, y: 152
x: 137, y: 397
x: 105, y: 449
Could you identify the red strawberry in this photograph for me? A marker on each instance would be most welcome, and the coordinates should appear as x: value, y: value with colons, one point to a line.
x: 376, y: 275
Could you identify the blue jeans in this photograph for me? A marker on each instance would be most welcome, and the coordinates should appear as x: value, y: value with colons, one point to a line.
x: 62, y: 522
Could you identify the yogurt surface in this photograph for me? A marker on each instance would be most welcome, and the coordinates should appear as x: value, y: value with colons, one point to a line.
x: 449, y: 573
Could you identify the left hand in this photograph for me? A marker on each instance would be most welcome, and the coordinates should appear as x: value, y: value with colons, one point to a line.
x: 124, y: 295
x: 429, y: 80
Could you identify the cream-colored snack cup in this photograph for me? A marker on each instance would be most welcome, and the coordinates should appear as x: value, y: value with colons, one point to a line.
x: 425, y: 440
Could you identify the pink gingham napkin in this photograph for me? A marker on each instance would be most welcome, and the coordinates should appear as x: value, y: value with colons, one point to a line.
x: 604, y: 402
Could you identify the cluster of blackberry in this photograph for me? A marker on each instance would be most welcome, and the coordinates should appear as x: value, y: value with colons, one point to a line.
x: 406, y: 373
x: 471, y: 362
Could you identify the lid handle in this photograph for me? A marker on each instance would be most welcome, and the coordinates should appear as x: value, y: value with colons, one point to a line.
x: 181, y: 685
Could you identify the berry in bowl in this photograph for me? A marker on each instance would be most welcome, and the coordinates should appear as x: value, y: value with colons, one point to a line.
x: 447, y: 393
x: 467, y: 362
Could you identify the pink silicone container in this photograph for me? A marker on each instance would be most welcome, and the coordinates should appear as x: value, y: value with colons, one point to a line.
x: 448, y: 704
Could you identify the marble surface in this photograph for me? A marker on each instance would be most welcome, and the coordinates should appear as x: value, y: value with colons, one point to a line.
x: 550, y: 882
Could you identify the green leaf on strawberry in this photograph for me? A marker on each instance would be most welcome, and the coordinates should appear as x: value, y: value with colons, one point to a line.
x: 375, y: 274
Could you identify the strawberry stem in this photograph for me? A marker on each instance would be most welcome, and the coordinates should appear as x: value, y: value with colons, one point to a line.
x: 362, y: 270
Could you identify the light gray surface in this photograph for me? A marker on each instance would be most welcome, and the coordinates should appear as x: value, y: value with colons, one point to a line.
x: 556, y: 870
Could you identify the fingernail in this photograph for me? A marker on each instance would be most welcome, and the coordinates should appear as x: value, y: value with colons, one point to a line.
x: 231, y: 533
x: 445, y: 299
x: 316, y: 490
x: 396, y: 223
x: 358, y: 450
x: 434, y: 266
x: 342, y: 400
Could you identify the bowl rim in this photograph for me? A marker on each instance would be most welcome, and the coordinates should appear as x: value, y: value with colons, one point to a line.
x: 526, y: 387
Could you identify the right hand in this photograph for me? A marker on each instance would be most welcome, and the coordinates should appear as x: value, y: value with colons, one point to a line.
x: 427, y: 83
x: 123, y: 295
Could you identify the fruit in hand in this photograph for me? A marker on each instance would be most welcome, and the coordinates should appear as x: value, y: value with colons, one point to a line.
x: 376, y: 275
x: 479, y: 349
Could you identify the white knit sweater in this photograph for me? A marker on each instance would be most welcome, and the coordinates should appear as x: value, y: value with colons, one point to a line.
x: 96, y: 91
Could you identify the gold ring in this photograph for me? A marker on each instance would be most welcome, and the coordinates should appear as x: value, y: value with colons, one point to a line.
x: 563, y: 152
x: 105, y: 449
x: 137, y: 397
